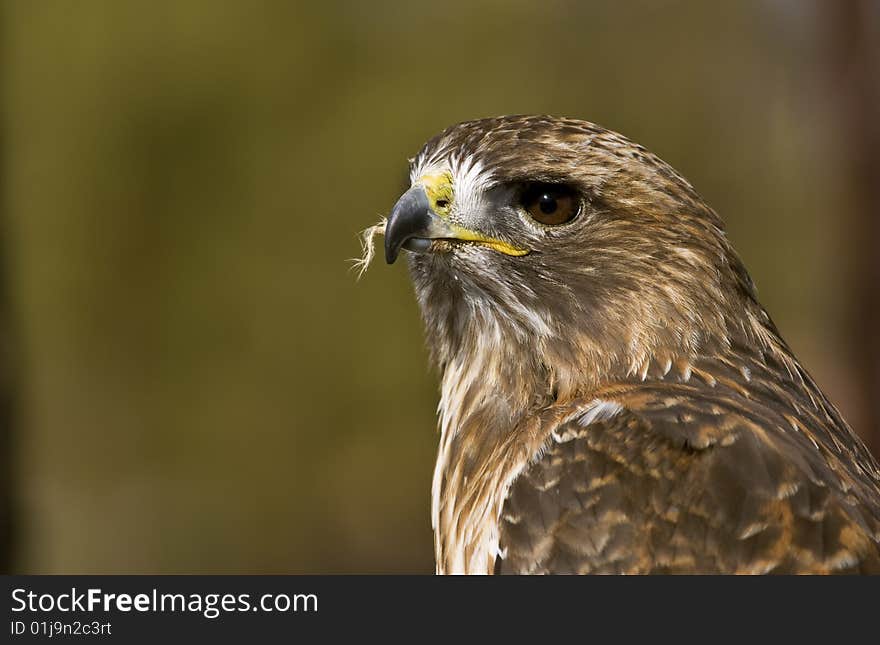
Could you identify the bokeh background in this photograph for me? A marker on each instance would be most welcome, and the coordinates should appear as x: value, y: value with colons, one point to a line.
x: 193, y: 380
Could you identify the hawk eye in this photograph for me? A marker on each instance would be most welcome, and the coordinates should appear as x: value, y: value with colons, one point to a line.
x: 551, y: 204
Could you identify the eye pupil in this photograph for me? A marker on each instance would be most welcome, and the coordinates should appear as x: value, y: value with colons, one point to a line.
x: 550, y: 204
x: 547, y: 204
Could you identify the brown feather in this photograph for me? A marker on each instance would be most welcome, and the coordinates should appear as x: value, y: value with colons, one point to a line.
x: 617, y: 400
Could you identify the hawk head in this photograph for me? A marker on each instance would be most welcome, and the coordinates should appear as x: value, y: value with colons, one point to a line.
x: 562, y: 253
x: 605, y: 363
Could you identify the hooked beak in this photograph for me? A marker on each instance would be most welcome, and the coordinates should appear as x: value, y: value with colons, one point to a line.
x: 413, y: 225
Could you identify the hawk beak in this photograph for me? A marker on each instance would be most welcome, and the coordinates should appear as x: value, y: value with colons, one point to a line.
x: 413, y: 225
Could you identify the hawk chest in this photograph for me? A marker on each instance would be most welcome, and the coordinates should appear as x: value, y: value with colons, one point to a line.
x: 466, y: 511
x: 481, y: 453
x: 476, y: 466
x: 489, y: 434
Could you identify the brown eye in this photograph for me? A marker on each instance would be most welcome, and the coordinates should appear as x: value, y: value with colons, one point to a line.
x: 551, y: 204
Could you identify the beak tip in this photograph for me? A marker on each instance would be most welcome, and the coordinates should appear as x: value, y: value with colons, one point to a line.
x: 409, y: 217
x: 390, y: 252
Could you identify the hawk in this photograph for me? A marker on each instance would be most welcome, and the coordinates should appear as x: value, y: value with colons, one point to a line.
x: 614, y: 398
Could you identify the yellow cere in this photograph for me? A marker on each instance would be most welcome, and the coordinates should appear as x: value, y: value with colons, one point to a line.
x: 478, y: 238
x: 440, y: 193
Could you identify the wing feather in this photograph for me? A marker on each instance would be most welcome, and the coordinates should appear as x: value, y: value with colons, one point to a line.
x: 690, y: 478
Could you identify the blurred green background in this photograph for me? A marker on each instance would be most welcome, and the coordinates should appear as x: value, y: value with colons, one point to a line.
x: 199, y: 384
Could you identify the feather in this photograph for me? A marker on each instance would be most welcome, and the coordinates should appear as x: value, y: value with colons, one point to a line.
x: 616, y: 399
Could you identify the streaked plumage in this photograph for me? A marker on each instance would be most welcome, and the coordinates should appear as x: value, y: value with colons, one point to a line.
x: 614, y: 399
